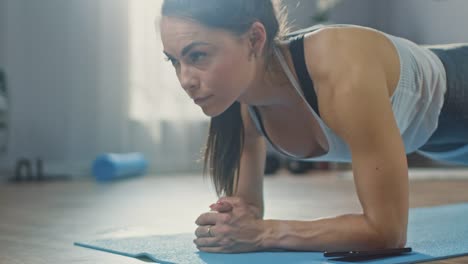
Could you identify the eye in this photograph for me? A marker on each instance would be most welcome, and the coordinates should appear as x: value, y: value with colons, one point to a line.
x: 172, y: 60
x: 196, y: 57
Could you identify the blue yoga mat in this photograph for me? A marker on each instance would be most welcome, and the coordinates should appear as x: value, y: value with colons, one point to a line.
x: 433, y: 233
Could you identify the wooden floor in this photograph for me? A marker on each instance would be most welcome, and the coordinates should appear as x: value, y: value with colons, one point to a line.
x: 40, y: 222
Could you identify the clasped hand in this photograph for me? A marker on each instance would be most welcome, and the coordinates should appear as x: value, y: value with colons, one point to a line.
x: 232, y: 226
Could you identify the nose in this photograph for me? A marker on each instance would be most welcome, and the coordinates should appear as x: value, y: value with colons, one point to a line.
x: 188, y: 79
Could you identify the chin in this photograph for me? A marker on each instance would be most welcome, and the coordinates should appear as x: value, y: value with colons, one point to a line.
x: 210, y: 113
x: 213, y: 111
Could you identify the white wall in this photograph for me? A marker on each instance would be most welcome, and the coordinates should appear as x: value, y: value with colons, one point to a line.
x: 427, y: 21
x: 358, y: 12
x: 66, y: 63
x: 3, y: 28
x: 67, y: 70
x: 423, y: 21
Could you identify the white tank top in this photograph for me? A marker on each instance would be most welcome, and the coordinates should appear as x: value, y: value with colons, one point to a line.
x: 416, y: 101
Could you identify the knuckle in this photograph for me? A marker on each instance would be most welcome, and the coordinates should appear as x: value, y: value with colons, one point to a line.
x: 201, y: 242
x: 224, y: 243
x: 198, y: 232
x: 220, y: 232
x: 224, y: 230
x: 225, y: 218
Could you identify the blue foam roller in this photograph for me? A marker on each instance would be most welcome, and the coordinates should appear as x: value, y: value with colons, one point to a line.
x: 111, y: 166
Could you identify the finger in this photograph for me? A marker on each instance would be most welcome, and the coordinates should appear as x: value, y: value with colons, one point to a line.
x: 225, y: 207
x: 212, y: 249
x: 209, y: 218
x: 232, y: 200
x: 212, y: 207
x: 222, y: 207
x: 204, y: 231
x: 206, y: 242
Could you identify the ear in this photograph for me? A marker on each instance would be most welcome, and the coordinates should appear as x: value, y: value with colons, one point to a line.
x: 257, y: 38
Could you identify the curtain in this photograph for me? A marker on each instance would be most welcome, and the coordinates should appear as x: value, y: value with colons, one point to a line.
x: 164, y: 122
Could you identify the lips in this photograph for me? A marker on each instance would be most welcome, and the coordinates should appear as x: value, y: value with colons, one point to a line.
x: 201, y: 100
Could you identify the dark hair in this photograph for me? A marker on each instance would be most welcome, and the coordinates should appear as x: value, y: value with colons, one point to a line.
x: 225, y: 139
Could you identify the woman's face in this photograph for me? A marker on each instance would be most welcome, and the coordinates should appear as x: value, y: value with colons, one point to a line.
x: 213, y: 66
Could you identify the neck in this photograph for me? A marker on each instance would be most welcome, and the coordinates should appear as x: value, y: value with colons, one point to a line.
x: 271, y: 87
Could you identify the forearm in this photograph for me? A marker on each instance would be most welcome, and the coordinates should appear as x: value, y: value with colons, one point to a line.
x: 251, y: 171
x: 346, y: 232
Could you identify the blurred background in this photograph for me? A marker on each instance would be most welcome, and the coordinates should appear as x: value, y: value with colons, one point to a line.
x: 84, y: 77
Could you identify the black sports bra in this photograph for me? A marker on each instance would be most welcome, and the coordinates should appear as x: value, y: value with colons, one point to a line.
x: 296, y: 48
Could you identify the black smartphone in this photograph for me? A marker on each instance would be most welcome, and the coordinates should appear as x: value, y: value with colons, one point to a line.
x: 370, y: 253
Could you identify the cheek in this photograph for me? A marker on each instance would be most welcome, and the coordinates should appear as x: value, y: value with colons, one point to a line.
x: 229, y: 78
x: 226, y: 84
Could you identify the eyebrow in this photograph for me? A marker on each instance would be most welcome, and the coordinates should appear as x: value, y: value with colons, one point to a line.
x: 187, y: 48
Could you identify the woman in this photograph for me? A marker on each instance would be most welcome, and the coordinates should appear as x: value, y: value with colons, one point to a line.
x: 336, y: 93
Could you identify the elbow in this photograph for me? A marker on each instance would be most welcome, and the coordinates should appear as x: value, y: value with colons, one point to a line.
x: 388, y: 235
x: 395, y: 237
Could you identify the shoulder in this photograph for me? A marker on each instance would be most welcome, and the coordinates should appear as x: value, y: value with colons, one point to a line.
x: 347, y: 69
x: 342, y: 50
x: 339, y: 57
x: 344, y: 37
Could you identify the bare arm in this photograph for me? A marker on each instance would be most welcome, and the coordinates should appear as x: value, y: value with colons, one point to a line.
x: 353, y: 93
x: 252, y: 164
x: 355, y: 104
